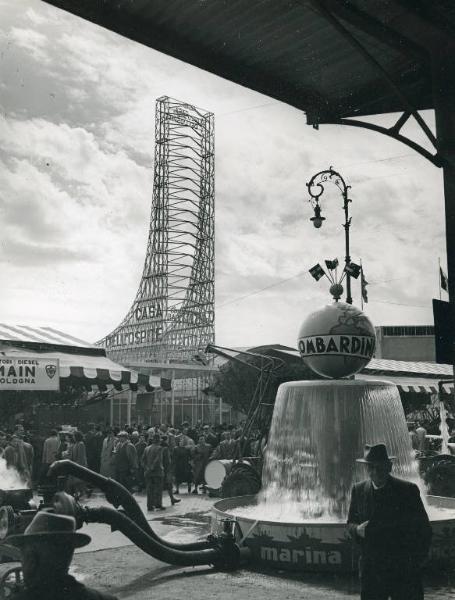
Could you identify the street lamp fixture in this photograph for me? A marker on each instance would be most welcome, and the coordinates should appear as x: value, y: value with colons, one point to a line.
x: 315, y: 189
x: 318, y: 219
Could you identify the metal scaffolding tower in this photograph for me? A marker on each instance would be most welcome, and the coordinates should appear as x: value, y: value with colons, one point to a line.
x: 172, y: 317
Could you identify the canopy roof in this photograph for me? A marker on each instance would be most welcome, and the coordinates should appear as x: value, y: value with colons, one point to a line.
x: 79, y: 362
x: 326, y: 57
x: 28, y: 335
x: 416, y: 385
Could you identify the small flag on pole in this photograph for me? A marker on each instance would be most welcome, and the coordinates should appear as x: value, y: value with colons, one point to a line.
x: 363, y: 286
x: 444, y: 280
x: 332, y: 264
x: 317, y: 272
x: 353, y: 270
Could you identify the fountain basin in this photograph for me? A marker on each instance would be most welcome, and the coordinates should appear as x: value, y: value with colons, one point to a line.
x: 319, y: 546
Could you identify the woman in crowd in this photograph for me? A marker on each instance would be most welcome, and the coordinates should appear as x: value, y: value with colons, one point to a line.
x: 77, y: 453
x: 107, y: 465
x: 168, y: 469
x: 182, y: 466
x: 199, y: 459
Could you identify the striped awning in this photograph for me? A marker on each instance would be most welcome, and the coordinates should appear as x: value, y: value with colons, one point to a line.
x: 40, y: 335
x: 384, y: 365
x: 90, y: 371
x: 415, y: 385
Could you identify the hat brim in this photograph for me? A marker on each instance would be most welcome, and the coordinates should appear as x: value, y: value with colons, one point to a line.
x: 77, y: 540
x: 374, y: 462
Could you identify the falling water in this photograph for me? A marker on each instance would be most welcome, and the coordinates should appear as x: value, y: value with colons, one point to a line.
x: 10, y: 479
x: 444, y: 428
x: 318, y: 430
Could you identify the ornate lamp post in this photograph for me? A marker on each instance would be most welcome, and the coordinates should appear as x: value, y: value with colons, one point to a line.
x: 315, y: 189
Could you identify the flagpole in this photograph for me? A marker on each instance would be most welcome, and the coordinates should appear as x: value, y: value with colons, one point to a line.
x: 361, y: 285
x: 439, y: 276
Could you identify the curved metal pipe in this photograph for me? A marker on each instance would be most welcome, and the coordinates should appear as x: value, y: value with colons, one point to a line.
x: 225, y: 554
x: 115, y: 493
x: 118, y: 495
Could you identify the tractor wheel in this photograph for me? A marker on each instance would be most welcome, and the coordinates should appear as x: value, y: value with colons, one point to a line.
x: 243, y: 480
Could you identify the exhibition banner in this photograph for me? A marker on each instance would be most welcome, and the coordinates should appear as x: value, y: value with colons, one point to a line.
x: 29, y: 373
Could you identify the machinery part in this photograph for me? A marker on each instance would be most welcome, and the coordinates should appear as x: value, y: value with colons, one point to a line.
x: 65, y: 504
x: 231, y: 478
x: 11, y: 579
x: 7, y: 521
x: 117, y: 495
x: 225, y: 553
x: 216, y: 471
x: 242, y: 480
x: 19, y: 499
x: 14, y: 521
x: 439, y: 475
x: 47, y: 489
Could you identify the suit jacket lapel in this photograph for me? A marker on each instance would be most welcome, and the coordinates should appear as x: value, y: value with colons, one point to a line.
x: 368, y: 499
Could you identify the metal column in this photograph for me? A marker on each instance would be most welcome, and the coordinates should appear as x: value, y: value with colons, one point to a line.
x: 443, y: 71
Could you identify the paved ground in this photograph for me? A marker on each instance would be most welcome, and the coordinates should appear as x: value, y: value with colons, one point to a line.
x: 113, y: 564
x: 186, y: 521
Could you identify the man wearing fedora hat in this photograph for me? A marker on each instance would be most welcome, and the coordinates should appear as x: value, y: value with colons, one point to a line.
x: 387, y: 518
x: 47, y: 547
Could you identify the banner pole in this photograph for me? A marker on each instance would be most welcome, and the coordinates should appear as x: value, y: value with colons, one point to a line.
x: 361, y: 285
x: 439, y: 276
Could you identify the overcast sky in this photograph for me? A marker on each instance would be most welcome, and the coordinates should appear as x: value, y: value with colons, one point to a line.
x: 76, y: 173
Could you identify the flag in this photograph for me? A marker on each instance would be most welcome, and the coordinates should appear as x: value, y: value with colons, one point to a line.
x: 363, y: 285
x: 353, y: 270
x: 317, y: 272
x: 444, y: 280
x: 332, y: 264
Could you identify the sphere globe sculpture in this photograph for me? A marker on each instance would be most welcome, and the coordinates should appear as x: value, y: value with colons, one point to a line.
x: 337, y: 340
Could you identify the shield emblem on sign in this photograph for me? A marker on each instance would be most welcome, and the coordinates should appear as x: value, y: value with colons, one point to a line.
x: 51, y: 370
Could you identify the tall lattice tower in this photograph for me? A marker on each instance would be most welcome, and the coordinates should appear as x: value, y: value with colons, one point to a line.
x: 172, y: 317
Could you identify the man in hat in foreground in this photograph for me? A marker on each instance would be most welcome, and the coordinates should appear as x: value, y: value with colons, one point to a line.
x: 47, y: 548
x: 388, y: 520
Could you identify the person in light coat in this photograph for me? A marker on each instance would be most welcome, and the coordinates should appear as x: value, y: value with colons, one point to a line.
x: 107, y: 465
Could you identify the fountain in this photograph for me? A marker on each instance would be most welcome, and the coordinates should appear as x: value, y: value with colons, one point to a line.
x: 319, y: 428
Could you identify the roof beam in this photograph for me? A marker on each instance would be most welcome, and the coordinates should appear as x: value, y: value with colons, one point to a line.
x: 386, y: 77
x: 376, y: 29
x: 177, y: 45
x: 423, y: 26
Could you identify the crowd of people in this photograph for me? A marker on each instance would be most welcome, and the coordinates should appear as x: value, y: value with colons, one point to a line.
x: 418, y: 433
x: 141, y: 458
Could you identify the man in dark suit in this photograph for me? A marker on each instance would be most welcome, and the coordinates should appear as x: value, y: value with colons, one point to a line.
x: 47, y: 547
x: 388, y: 520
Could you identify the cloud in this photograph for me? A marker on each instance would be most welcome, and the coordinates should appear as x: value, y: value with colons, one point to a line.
x: 23, y: 254
x: 31, y: 40
x: 80, y: 163
x: 37, y: 18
